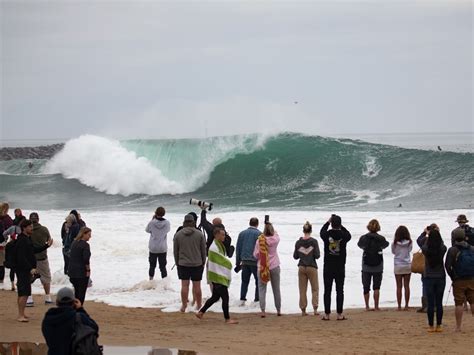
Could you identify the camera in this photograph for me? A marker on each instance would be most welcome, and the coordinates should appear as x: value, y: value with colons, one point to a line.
x: 428, y: 228
x: 267, y: 219
x: 200, y: 203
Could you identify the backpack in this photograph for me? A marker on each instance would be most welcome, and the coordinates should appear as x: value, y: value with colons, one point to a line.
x: 84, y: 339
x: 464, y: 264
x: 469, y: 232
x: 372, y: 255
x: 10, y: 254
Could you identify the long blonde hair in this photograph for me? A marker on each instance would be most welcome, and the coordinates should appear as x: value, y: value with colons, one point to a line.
x: 83, y: 230
x: 4, y: 207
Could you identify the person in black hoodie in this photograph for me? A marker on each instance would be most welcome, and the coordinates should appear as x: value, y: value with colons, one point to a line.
x: 209, y: 227
x: 58, y: 322
x: 335, y: 241
x: 69, y: 231
x: 25, y: 265
x: 372, y: 262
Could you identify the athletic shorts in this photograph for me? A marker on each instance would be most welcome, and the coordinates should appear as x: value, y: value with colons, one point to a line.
x: 42, y: 267
x: 23, y: 283
x: 463, y: 290
x: 402, y: 269
x: 366, y: 279
x: 193, y: 273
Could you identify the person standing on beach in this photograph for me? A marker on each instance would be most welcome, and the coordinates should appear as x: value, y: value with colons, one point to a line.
x: 59, y: 322
x: 401, y: 249
x: 208, y: 227
x: 12, y: 233
x: 307, y: 251
x: 39, y: 238
x: 468, y: 230
x: 245, y: 260
x: 435, y: 277
x: 25, y: 265
x: 372, y: 244
x: 335, y: 243
x: 79, y: 271
x: 189, y: 249
x: 268, y: 267
x: 158, y: 228
x: 219, y: 272
x: 5, y: 223
x: 460, y: 268
x: 69, y: 231
x: 421, y: 241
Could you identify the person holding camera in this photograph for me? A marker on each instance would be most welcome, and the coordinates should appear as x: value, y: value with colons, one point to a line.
x: 372, y: 262
x: 434, y: 277
x: 421, y: 241
x: 335, y: 242
x: 25, y: 264
x: 208, y: 228
x: 158, y: 228
x: 244, y: 259
x: 268, y: 266
x: 307, y: 251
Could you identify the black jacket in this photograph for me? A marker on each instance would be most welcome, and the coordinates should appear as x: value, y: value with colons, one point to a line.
x: 58, y: 327
x: 79, y: 258
x: 25, y: 253
x: 335, y: 241
x: 209, y: 228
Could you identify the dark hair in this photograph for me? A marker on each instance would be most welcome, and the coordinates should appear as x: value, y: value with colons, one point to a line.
x: 373, y: 226
x: 336, y: 221
x: 402, y: 233
x: 307, y: 228
x: 160, y: 212
x: 25, y: 223
x: 268, y: 230
x: 74, y: 212
x: 434, y: 254
x: 216, y: 230
x: 253, y: 222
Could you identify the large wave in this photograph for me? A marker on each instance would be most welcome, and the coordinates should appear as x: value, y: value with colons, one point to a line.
x: 290, y: 170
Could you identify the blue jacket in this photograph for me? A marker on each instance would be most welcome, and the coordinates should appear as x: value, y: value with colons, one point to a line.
x: 246, y: 245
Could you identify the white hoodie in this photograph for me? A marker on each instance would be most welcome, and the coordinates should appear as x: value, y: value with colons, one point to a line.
x: 402, y: 250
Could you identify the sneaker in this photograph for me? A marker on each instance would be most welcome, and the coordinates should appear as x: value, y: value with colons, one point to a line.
x: 431, y: 329
x: 47, y: 300
x: 30, y: 304
x: 439, y: 329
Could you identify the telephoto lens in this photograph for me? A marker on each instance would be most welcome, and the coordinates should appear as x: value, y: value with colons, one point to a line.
x: 200, y: 203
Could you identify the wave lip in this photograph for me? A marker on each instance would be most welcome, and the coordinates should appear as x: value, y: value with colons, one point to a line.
x: 105, y: 165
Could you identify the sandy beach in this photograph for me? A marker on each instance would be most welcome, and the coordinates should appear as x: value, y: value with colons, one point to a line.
x: 387, y: 331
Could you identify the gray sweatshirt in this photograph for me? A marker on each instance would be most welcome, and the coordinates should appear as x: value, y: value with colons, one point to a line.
x: 158, y: 229
x: 189, y: 247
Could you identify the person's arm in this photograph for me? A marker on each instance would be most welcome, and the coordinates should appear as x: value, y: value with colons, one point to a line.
x: 362, y: 243
x: 421, y: 239
x: 238, y: 250
x: 176, y: 250
x: 256, y: 250
x: 324, y: 231
x: 347, y: 235
x: 86, y: 257
x: 148, y: 227
x: 273, y: 241
x: 168, y: 226
x: 449, y: 261
x: 11, y: 230
x: 393, y: 248
x: 296, y: 255
x: 384, y: 243
x: 316, y: 251
x: 203, y: 250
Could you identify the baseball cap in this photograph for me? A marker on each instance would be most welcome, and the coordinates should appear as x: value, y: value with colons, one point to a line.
x: 65, y: 295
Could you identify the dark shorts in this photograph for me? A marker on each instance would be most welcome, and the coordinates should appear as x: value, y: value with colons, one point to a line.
x: 366, y: 279
x: 23, y: 283
x: 193, y: 273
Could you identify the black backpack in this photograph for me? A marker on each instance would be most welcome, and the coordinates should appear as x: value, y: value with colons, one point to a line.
x: 469, y: 232
x: 84, y: 339
x: 372, y: 253
x: 10, y: 254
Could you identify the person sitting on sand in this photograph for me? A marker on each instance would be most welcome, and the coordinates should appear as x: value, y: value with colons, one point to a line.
x: 219, y: 272
x: 335, y: 243
x: 58, y: 322
x: 434, y: 277
x: 189, y: 249
x: 307, y: 251
x: 401, y: 248
x: 372, y: 262
x: 268, y: 266
x: 461, y: 275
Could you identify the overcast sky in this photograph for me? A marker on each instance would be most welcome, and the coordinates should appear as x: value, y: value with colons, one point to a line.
x: 180, y: 69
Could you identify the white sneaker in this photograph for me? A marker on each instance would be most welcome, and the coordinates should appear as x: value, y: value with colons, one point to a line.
x: 30, y: 302
x: 47, y: 299
x: 242, y: 303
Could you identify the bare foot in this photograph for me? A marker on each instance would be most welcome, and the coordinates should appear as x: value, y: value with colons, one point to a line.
x: 399, y: 308
x: 231, y: 321
x: 457, y: 330
x: 303, y: 313
x: 22, y: 319
x: 377, y: 309
x: 368, y: 309
x: 199, y: 315
x: 316, y: 313
x: 279, y: 314
x: 406, y: 308
x: 262, y: 315
x: 183, y: 308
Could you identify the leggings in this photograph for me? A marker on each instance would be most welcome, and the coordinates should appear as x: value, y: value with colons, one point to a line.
x: 218, y: 291
x: 434, y: 293
x: 161, y: 262
x: 80, y: 287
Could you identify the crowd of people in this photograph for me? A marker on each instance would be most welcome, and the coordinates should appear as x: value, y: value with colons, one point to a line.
x: 206, y: 249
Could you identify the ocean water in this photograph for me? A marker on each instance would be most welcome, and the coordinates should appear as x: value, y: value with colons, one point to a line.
x: 117, y: 185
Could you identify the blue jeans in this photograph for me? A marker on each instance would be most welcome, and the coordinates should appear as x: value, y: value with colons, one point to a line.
x: 434, y: 288
x: 247, y: 271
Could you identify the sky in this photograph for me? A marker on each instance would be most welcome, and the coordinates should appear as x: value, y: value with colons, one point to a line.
x: 173, y: 69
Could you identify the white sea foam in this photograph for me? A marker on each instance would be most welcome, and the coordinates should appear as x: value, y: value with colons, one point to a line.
x: 120, y: 256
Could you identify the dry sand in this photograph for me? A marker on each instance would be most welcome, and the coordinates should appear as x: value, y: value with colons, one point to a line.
x: 387, y: 331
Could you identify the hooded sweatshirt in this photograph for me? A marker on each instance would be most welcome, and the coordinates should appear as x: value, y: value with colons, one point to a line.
x: 335, y: 242
x: 401, y: 251
x: 272, y: 245
x: 189, y: 247
x: 158, y: 229
x: 58, y: 327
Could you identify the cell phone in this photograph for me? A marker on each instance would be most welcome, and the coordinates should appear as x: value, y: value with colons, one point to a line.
x: 267, y: 219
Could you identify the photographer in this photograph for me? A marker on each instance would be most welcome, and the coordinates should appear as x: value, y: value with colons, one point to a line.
x: 158, y: 228
x: 209, y: 227
x: 335, y: 241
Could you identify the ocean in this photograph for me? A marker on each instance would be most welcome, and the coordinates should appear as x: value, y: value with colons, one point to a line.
x: 117, y: 184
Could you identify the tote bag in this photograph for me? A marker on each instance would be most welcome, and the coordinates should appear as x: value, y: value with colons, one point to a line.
x: 418, y: 263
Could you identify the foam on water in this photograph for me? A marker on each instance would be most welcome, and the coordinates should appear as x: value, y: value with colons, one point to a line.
x: 119, y: 261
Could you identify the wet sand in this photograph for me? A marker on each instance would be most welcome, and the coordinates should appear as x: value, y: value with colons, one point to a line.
x: 387, y: 331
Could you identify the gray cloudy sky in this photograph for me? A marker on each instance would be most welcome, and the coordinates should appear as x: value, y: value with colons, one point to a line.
x: 195, y: 68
